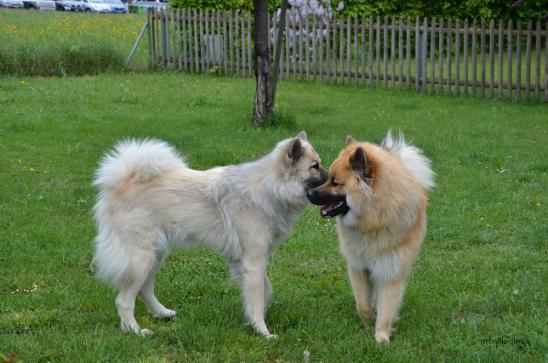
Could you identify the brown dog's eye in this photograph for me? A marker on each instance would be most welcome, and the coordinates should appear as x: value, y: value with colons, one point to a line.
x: 334, y: 183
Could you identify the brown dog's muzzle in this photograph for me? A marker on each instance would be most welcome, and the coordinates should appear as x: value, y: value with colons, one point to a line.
x: 333, y: 204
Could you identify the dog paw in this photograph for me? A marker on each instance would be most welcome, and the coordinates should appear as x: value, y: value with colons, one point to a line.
x: 368, y: 317
x: 145, y: 332
x: 382, y: 337
x: 165, y: 314
x: 271, y: 336
x: 136, y: 330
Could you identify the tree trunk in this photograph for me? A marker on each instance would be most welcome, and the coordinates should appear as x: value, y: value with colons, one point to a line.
x: 264, y: 101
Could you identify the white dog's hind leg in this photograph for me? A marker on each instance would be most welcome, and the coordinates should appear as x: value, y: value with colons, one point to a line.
x: 267, y: 293
x: 148, y: 296
x: 139, y: 270
x: 253, y: 290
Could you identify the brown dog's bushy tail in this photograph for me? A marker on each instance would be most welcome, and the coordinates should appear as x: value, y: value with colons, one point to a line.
x: 412, y: 157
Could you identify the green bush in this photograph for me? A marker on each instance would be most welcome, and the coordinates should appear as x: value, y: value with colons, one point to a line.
x: 479, y: 9
x: 221, y: 4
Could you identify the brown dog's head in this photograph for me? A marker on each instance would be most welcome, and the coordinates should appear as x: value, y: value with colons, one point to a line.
x: 351, y: 171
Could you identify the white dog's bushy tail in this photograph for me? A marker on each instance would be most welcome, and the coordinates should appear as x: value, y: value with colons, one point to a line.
x: 134, y: 161
x: 143, y: 159
x: 412, y: 157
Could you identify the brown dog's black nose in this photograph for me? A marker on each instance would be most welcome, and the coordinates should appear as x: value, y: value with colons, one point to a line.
x: 311, y: 194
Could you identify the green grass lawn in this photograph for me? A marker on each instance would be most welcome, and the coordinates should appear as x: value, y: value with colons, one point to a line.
x: 477, y: 293
x: 60, y: 43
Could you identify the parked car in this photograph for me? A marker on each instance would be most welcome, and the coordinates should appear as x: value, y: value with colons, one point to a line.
x: 117, y: 6
x: 39, y: 4
x: 104, y: 6
x: 69, y: 5
x: 140, y: 6
x: 11, y: 3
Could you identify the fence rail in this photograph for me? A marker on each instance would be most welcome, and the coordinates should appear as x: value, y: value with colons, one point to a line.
x: 460, y: 57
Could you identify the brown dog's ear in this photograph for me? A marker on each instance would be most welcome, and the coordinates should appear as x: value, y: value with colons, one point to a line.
x: 296, y: 150
x: 350, y: 140
x: 360, y: 164
x: 302, y: 135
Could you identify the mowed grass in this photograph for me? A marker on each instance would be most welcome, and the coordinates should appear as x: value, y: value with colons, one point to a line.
x: 477, y: 293
x: 65, y: 43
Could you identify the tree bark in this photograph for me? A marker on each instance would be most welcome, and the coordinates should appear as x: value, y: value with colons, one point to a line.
x: 264, y: 100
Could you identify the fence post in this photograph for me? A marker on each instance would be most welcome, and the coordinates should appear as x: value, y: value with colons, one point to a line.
x: 546, y: 66
x: 149, y: 34
x: 510, y: 50
x: 165, y: 37
x: 433, y: 56
x: 449, y: 47
x: 465, y: 56
x: 491, y: 58
x: 457, y: 57
x: 420, y: 59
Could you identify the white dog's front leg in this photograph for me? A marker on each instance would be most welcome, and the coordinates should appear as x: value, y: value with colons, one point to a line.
x: 253, y: 291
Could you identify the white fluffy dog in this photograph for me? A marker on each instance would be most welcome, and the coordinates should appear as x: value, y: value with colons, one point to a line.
x: 150, y: 201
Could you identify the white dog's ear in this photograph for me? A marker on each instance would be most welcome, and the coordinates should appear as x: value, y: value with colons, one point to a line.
x: 302, y: 136
x: 350, y: 140
x: 295, y: 151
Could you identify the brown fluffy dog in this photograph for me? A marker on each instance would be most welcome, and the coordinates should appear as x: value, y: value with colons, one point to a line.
x: 378, y: 194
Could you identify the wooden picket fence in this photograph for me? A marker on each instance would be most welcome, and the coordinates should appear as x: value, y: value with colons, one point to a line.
x: 478, y: 58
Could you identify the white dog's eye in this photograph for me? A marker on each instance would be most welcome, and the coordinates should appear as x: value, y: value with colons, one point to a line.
x: 316, y: 166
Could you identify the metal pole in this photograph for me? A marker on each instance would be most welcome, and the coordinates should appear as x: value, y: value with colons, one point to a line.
x: 134, y: 49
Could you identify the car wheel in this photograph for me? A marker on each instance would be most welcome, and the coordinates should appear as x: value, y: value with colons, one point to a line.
x: 88, y: 10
